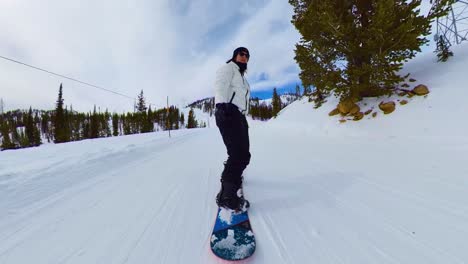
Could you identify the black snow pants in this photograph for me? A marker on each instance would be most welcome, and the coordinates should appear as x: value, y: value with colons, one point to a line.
x: 234, y: 129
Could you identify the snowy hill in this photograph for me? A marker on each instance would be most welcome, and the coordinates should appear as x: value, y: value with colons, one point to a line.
x: 286, y: 99
x: 387, y: 190
x: 441, y: 114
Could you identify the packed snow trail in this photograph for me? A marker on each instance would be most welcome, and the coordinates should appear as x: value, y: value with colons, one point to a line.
x: 106, y: 209
x: 150, y: 199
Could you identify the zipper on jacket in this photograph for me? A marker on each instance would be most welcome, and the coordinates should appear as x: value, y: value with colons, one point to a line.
x: 234, y: 93
x: 246, y: 100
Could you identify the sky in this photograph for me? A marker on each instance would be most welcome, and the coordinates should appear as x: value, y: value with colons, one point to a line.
x: 170, y: 49
x: 165, y: 48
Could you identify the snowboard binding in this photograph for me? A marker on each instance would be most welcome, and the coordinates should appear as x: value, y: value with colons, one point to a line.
x: 231, y: 197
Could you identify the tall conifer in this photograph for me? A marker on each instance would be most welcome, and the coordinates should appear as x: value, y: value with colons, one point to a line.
x: 355, y: 48
x: 59, y: 120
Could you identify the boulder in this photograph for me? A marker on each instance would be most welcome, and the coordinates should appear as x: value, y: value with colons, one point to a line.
x: 334, y: 112
x: 346, y: 106
x: 356, y: 109
x: 387, y: 107
x: 358, y: 116
x: 420, y: 90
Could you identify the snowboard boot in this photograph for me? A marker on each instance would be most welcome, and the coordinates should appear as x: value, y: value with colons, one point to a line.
x: 231, y: 196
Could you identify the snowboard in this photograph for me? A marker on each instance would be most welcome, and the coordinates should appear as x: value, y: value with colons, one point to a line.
x: 232, y: 237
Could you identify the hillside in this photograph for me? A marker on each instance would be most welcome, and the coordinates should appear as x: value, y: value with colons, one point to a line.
x: 440, y: 114
x: 387, y: 190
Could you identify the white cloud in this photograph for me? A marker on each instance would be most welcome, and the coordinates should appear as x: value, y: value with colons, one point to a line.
x: 167, y: 48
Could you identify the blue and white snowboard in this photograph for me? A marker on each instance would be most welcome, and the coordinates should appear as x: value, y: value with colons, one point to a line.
x: 232, y: 237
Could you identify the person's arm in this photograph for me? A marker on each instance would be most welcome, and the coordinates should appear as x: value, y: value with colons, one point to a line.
x: 224, y: 77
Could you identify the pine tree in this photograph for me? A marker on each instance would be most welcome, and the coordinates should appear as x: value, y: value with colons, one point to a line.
x: 67, y: 124
x: 71, y: 118
x: 94, y: 124
x: 355, y: 48
x: 146, y: 121
x: 276, y: 103
x: 150, y: 120
x: 141, y: 106
x: 59, y: 120
x: 176, y: 118
x: 6, y: 141
x: 45, y: 121
x: 115, y: 124
x: 126, y: 125
x: 105, y: 123
x: 86, y: 126
x: 182, y: 118
x: 15, y: 137
x: 28, y: 122
x: 31, y: 131
x: 23, y: 139
x: 36, y: 141
x: 298, y: 91
x: 306, y: 91
x: 143, y: 122
x: 191, y: 122
x: 443, y: 50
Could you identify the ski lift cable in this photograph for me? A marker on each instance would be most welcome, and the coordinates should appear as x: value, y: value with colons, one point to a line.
x: 69, y: 78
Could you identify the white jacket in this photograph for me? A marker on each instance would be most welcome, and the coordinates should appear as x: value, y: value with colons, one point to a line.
x: 231, y: 86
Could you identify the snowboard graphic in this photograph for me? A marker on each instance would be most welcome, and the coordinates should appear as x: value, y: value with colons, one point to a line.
x: 232, y: 237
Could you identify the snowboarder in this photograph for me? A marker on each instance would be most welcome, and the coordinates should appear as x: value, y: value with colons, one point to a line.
x: 232, y: 93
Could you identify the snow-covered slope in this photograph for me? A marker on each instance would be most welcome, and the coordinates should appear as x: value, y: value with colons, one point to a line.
x: 441, y: 114
x: 389, y: 190
x: 285, y: 99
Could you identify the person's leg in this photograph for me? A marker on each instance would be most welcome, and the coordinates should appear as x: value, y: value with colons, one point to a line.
x: 234, y: 132
x: 235, y: 136
x: 245, y: 142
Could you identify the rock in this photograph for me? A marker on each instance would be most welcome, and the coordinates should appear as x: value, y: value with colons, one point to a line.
x: 334, y: 112
x: 368, y: 112
x: 346, y: 106
x: 403, y: 102
x: 388, y: 107
x: 358, y: 116
x: 374, y: 114
x: 420, y: 90
x: 342, y: 120
x: 354, y: 110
